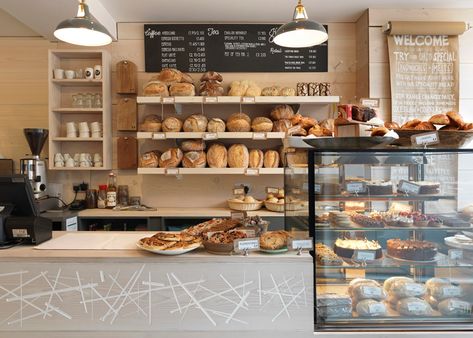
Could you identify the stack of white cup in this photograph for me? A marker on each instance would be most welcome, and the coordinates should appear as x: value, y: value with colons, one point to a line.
x: 83, y: 160
x: 96, y: 129
x: 71, y: 128
x: 84, y: 131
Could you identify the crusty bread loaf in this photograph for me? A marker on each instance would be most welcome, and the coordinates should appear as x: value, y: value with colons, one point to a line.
x: 425, y: 126
x: 149, y: 159
x: 155, y: 88
x: 238, y: 156
x: 271, y: 159
x: 328, y: 124
x: 282, y: 111
x: 182, y: 89
x: 217, y: 156
x: 305, y: 122
x: 211, y: 76
x: 253, y: 90
x: 296, y: 130
x: 441, y: 119
x: 172, y: 124
x: 271, y: 91
x: 211, y: 88
x: 238, y: 88
x: 261, y: 124
x: 193, y: 145
x: 216, y: 125
x: 256, y: 158
x: 411, y: 124
x: 171, y: 158
x: 287, y: 91
x: 456, y: 118
x: 194, y: 159
x: 239, y: 122
x: 282, y: 125
x: 467, y: 126
x: 151, y: 123
x: 187, y: 78
x: 195, y: 123
x: 169, y: 76
x: 316, y: 131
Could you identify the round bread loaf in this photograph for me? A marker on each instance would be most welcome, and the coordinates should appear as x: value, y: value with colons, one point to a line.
x: 256, y: 158
x: 149, y: 159
x: 151, y: 123
x: 170, y: 76
x: 253, y: 90
x: 271, y: 91
x: 171, y: 158
x: 238, y: 88
x: 155, y: 88
x: 211, y: 88
x: 211, y: 76
x: 239, y: 122
x: 282, y: 125
x: 282, y: 111
x: 217, y: 156
x: 193, y: 145
x: 328, y: 124
x: 216, y: 125
x: 182, y: 89
x: 194, y: 159
x: 195, y: 123
x: 187, y: 78
x: 271, y: 159
x: 287, y: 91
x: 238, y: 156
x: 172, y: 124
x: 261, y: 124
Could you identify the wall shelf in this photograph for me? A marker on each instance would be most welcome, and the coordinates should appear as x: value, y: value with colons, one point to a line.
x: 210, y: 171
x: 210, y: 136
x: 320, y: 100
x: 78, y: 110
x: 77, y: 139
x: 76, y: 82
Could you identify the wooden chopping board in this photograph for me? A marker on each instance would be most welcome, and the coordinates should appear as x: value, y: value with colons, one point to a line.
x: 127, y: 152
x: 127, y: 114
x: 126, y: 77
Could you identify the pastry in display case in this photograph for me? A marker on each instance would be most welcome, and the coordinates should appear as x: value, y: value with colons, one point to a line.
x: 393, y: 238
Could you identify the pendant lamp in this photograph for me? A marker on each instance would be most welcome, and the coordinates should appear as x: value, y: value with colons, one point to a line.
x: 300, y: 32
x: 83, y: 30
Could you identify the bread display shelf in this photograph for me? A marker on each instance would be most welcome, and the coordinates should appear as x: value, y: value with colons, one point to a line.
x: 77, y: 82
x: 382, y: 198
x: 210, y: 136
x: 238, y: 100
x: 211, y: 171
x: 327, y: 227
x: 78, y: 110
x: 77, y: 139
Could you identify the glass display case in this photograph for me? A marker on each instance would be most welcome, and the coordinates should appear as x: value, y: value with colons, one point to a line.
x: 392, y: 236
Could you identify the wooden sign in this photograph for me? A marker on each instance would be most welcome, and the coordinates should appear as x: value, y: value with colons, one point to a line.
x: 127, y: 114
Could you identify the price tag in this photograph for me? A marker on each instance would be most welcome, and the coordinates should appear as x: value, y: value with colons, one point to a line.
x: 371, y: 291
x: 409, y: 187
x: 376, y: 308
x: 355, y: 187
x: 172, y: 171
x: 259, y: 136
x: 210, y: 99
x: 248, y: 99
x: 167, y: 100
x: 414, y: 288
x: 72, y: 224
x: 461, y: 305
x: 270, y: 190
x: 210, y: 136
x: 247, y: 244
x: 363, y: 255
x: 238, y: 214
x: 238, y: 191
x: 368, y: 102
x: 425, y: 139
x: 252, y: 172
x: 416, y: 307
x: 318, y: 188
x: 297, y: 244
x: 455, y: 254
x: 159, y: 136
x: 451, y: 291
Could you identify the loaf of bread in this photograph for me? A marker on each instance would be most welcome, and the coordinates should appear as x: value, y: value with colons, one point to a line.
x: 370, y: 308
x: 441, y: 119
x: 455, y: 307
x: 238, y: 88
x: 216, y: 125
x: 187, y: 78
x: 388, y: 282
x: 253, y: 89
x: 271, y: 159
x: 155, y: 88
x: 238, y: 156
x: 282, y: 125
x: 456, y: 118
x: 296, y: 158
x: 317, y: 131
x: 256, y: 158
x: 361, y: 281
x: 411, y: 124
x: 172, y: 124
x: 211, y: 88
x: 271, y: 91
x: 149, y: 159
x: 261, y: 124
x: 402, y: 289
x: 366, y: 291
x: 296, y: 130
x: 435, y: 281
x: 171, y: 158
x: 195, y: 123
x: 211, y: 76
x: 282, y: 111
x: 441, y: 292
x: 287, y: 91
x: 182, y: 89
x: 305, y: 122
x: 239, y: 122
x: 194, y: 159
x: 169, y: 76
x: 151, y: 123
x: 467, y: 126
x: 217, y: 156
x: 413, y: 306
x: 193, y: 145
x: 425, y: 126
x: 328, y: 124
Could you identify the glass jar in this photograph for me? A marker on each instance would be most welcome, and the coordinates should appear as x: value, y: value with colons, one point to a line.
x: 123, y: 195
x: 88, y: 98
x: 75, y: 101
x: 97, y: 101
x: 102, y: 197
x: 91, y: 199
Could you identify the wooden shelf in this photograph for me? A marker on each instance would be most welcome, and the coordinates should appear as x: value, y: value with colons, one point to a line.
x: 77, y: 82
x: 210, y: 171
x: 78, y: 139
x: 78, y: 110
x: 210, y: 136
x: 78, y: 169
x: 320, y: 100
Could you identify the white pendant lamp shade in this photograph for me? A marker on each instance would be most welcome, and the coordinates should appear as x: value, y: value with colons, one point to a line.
x: 83, y: 30
x: 300, y: 32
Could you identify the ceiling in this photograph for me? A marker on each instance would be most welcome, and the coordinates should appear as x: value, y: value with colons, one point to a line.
x: 42, y: 16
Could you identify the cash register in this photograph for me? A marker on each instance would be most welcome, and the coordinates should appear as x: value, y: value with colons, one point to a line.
x: 20, y: 220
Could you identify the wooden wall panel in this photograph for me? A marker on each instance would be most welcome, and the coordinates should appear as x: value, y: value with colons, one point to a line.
x: 362, y: 56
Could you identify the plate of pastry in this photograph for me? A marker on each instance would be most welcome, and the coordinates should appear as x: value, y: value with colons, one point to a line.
x: 169, y: 243
x: 221, y: 242
x: 274, y: 242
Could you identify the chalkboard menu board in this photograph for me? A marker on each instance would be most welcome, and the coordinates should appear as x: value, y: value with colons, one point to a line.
x: 226, y: 48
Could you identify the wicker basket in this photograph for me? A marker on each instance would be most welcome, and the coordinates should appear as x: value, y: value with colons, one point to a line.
x: 245, y: 206
x: 277, y: 207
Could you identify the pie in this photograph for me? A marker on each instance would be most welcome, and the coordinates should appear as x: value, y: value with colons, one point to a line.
x: 274, y: 240
x: 170, y: 241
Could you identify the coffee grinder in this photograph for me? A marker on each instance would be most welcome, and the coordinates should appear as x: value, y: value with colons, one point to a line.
x: 32, y: 166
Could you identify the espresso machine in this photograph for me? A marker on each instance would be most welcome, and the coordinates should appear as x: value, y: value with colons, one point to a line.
x: 32, y: 166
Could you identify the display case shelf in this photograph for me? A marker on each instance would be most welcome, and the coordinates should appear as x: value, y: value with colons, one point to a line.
x: 395, y: 197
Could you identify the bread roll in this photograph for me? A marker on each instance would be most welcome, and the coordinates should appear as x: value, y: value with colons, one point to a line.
x: 282, y: 125
x: 171, y: 158
x: 271, y: 159
x: 195, y: 123
x: 151, y: 123
x: 425, y: 126
x: 187, y: 78
x: 172, y: 124
x: 150, y: 159
x: 211, y: 76
x: 456, y: 118
x: 211, y: 88
x: 238, y: 88
x: 411, y: 124
x: 414, y: 307
x: 455, y: 307
x: 239, y: 122
x: 193, y: 145
x: 392, y: 125
x: 238, y: 156
x: 287, y: 91
x: 271, y: 91
x: 170, y: 76
x: 371, y: 308
x: 389, y: 282
x: 256, y: 158
x: 361, y: 281
x: 155, y: 88
x: 253, y: 90
x: 379, y: 131
x: 261, y: 124
x: 441, y: 119
x: 182, y: 89
x: 194, y: 159
x: 216, y: 125
x: 282, y: 111
x: 217, y: 156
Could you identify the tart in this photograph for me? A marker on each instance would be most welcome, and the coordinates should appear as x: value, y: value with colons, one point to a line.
x: 346, y: 248
x: 411, y: 250
x: 325, y: 255
x: 373, y: 220
x: 274, y: 240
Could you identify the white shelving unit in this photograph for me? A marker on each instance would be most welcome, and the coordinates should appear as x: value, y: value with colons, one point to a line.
x: 237, y: 100
x: 211, y: 171
x: 61, y: 110
x: 210, y: 136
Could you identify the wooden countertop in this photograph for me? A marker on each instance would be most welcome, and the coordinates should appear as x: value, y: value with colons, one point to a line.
x: 26, y: 254
x: 172, y: 212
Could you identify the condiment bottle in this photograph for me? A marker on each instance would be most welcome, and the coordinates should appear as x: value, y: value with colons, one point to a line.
x: 112, y: 191
x: 102, y: 197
